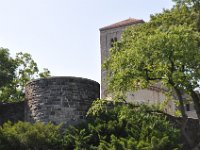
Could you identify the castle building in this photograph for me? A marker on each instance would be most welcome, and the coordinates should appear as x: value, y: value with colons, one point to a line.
x: 152, y: 95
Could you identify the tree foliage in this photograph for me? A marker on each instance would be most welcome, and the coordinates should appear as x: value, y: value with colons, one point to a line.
x: 7, y: 67
x: 22, y: 69
x: 120, y: 126
x: 24, y: 136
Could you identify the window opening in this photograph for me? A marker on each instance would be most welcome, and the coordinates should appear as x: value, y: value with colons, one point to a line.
x: 113, y: 40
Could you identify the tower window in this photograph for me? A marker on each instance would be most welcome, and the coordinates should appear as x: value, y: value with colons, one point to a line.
x: 113, y: 40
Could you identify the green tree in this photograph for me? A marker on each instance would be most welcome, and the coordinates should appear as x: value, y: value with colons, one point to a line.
x: 7, y: 67
x: 26, y: 70
x: 166, y: 49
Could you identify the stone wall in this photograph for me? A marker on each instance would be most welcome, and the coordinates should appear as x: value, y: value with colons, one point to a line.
x: 192, y: 129
x: 11, y: 111
x: 60, y: 99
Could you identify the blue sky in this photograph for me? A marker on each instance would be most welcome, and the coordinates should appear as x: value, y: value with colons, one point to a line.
x: 63, y: 35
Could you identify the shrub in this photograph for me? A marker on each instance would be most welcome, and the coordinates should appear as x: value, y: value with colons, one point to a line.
x: 109, y: 126
x: 123, y: 126
x: 24, y: 136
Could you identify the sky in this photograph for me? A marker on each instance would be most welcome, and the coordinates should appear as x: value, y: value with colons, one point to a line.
x: 63, y: 35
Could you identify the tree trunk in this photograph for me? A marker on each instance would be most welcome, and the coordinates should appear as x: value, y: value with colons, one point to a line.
x: 185, y: 118
x: 180, y: 99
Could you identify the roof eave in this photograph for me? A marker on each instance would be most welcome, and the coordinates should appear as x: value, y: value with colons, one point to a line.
x: 117, y: 26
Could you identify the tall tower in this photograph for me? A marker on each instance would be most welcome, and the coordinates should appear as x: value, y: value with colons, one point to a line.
x: 108, y: 35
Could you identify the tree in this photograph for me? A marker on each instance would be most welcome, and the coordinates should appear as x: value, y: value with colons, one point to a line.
x: 7, y: 67
x: 166, y: 49
x: 26, y: 69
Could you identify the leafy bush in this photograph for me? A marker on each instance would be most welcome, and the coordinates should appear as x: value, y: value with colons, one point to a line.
x: 24, y: 136
x: 109, y: 126
x: 121, y: 126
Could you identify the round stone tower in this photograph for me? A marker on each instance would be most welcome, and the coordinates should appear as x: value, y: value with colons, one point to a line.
x: 59, y: 99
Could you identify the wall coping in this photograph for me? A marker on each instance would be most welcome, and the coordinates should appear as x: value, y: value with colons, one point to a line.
x: 62, y: 77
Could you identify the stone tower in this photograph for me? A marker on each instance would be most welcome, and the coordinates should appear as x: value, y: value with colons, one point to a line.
x: 108, y: 35
x: 60, y: 99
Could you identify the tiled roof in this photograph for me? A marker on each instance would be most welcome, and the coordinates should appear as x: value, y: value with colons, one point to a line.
x: 126, y: 22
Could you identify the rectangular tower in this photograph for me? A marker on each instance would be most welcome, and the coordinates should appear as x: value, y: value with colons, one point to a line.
x: 108, y: 35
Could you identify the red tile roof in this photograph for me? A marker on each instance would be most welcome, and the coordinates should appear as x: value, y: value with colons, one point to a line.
x: 126, y: 22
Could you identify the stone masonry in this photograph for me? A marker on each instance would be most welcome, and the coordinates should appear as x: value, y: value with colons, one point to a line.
x: 13, y: 112
x: 59, y: 99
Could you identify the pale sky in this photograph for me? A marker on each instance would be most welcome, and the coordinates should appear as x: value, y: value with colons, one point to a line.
x: 63, y: 35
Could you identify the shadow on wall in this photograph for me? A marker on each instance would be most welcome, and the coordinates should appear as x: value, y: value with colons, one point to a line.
x: 11, y: 111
